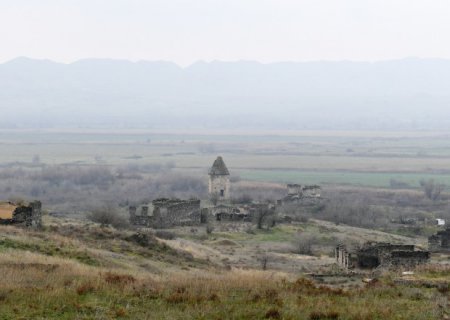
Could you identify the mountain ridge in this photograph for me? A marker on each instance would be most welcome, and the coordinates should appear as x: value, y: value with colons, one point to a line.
x: 407, y: 93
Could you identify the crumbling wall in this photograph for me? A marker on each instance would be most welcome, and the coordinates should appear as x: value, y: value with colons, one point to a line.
x: 434, y: 243
x: 408, y: 259
x: 294, y: 189
x: 140, y: 218
x: 167, y: 213
x: 29, y: 215
x: 307, y: 195
x: 440, y: 241
x: 36, y: 215
x: 343, y: 257
x: 219, y: 186
x: 174, y: 212
x: 229, y: 213
x: 381, y: 255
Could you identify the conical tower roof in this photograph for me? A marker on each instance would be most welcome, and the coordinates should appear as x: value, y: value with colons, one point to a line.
x: 219, y: 168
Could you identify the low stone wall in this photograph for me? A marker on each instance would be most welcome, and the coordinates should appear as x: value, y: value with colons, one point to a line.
x: 408, y: 259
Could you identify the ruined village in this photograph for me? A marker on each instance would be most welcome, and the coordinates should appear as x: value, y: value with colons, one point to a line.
x: 224, y: 160
x: 364, y: 259
x: 171, y: 240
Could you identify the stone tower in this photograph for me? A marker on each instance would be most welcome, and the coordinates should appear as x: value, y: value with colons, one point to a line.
x: 219, y: 180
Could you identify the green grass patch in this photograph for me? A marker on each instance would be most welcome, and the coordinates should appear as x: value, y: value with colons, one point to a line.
x: 276, y: 234
x: 279, y: 233
x: 49, y: 249
x: 368, y: 179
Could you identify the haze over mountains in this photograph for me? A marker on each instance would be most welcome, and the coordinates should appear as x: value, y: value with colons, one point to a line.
x: 408, y: 94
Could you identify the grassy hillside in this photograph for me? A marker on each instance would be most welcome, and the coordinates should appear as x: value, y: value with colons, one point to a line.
x: 74, y: 270
x: 52, y: 288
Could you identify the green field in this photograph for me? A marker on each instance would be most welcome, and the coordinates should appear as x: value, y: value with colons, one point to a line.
x: 372, y: 179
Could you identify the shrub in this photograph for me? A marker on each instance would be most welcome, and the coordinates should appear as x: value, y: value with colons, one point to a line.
x: 209, y: 228
x: 121, y: 312
x: 444, y: 288
x: 166, y: 235
x: 273, y: 314
x: 119, y: 279
x: 263, y: 260
x: 85, y: 288
x: 303, y: 243
x: 432, y: 189
x: 108, y: 216
x: 317, y: 315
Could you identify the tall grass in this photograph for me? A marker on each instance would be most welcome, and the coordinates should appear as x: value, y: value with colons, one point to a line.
x: 39, y: 287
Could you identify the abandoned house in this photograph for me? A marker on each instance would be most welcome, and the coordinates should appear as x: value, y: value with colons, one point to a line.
x: 440, y: 241
x: 222, y: 212
x: 166, y: 213
x: 301, y: 193
x: 29, y: 215
x: 219, y: 180
x: 380, y: 255
x: 139, y: 216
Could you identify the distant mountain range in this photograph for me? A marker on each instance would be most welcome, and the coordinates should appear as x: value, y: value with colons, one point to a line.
x: 408, y: 94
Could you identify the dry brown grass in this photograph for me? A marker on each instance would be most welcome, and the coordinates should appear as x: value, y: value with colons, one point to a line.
x: 87, y: 292
x: 6, y: 210
x: 62, y: 288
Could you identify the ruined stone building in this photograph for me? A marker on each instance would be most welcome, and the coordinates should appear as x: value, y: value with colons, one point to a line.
x: 380, y: 255
x: 301, y: 193
x: 343, y: 257
x: 219, y: 180
x: 167, y: 213
x: 223, y: 212
x: 139, y: 216
x: 176, y: 212
x: 29, y: 215
x: 440, y: 241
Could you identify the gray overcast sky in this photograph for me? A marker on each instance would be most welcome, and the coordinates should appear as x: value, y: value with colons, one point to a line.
x: 185, y: 31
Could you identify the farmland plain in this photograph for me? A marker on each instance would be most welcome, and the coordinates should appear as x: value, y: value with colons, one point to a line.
x: 373, y: 159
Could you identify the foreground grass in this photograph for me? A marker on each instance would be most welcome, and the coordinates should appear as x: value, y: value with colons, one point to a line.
x: 34, y: 286
x: 50, y: 274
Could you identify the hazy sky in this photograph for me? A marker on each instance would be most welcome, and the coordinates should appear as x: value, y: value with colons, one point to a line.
x: 185, y: 31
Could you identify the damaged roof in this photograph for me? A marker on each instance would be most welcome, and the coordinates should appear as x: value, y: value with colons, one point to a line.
x: 7, y: 210
x: 219, y: 168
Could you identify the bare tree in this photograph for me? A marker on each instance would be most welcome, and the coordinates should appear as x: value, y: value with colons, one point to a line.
x: 263, y: 216
x: 303, y: 243
x: 108, y: 215
x: 263, y: 259
x: 432, y: 189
